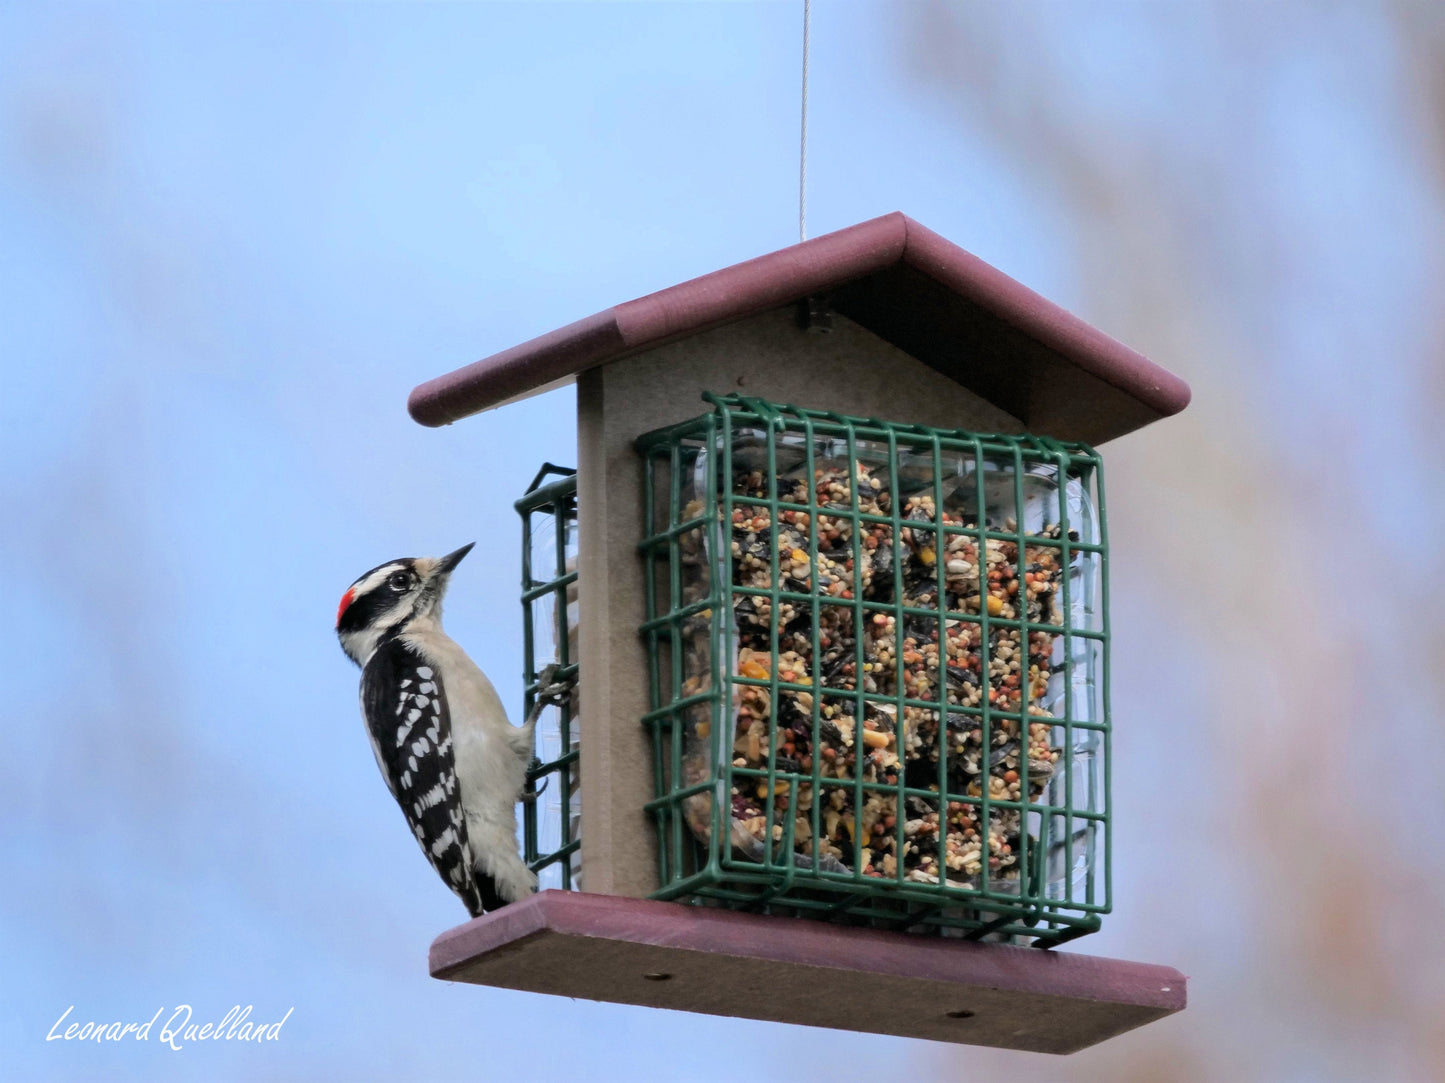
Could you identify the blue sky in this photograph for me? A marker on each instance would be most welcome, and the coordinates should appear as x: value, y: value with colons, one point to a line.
x: 233, y: 237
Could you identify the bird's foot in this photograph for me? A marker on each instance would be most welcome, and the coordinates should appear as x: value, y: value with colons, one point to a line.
x: 531, y: 793
x: 551, y: 690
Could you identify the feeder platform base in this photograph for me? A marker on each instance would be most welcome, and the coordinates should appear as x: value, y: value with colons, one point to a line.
x: 790, y: 970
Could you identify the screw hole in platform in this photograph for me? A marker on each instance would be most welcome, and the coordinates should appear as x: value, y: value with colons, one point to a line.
x: 962, y: 1013
x: 659, y: 976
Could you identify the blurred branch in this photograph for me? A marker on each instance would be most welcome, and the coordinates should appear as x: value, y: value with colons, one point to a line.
x: 1231, y: 527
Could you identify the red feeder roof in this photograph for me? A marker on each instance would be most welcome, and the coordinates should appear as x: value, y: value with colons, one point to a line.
x: 1057, y: 374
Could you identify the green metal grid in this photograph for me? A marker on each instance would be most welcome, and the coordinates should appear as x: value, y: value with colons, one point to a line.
x: 1062, y: 885
x: 550, y: 833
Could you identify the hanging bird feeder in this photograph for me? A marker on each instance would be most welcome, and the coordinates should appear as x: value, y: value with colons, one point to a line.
x: 832, y: 571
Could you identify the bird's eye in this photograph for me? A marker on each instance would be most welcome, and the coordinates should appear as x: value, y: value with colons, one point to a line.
x: 400, y: 581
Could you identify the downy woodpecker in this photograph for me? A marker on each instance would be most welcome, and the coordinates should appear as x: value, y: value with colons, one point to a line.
x: 441, y: 736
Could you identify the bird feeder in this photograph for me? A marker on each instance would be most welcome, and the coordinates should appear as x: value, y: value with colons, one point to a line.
x: 832, y: 572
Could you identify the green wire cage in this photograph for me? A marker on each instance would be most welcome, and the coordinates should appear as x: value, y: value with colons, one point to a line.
x: 878, y: 663
x: 551, y: 817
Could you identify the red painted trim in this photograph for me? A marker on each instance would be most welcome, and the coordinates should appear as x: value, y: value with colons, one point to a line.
x: 811, y: 943
x: 857, y: 254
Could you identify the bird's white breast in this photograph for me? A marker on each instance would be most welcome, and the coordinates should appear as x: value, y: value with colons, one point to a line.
x: 489, y: 770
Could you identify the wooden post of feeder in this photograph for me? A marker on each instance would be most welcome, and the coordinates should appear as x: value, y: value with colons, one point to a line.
x: 885, y: 319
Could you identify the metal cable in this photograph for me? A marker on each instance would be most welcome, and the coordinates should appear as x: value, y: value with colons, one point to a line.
x: 803, y: 149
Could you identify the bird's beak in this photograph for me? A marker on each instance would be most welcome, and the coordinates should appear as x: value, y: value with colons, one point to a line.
x: 451, y: 560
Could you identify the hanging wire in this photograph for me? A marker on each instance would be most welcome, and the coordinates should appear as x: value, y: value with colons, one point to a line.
x: 803, y: 149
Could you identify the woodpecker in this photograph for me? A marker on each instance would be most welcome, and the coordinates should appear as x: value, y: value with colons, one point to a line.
x: 450, y: 756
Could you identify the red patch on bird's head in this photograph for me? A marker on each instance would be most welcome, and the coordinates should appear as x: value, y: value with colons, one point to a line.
x: 346, y: 600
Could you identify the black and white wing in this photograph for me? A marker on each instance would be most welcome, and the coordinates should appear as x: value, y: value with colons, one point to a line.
x: 411, y: 734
